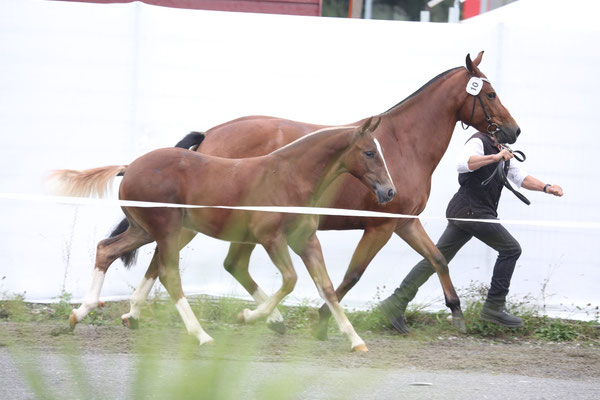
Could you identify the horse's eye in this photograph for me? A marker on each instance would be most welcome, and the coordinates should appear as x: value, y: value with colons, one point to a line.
x: 491, y: 95
x: 370, y: 154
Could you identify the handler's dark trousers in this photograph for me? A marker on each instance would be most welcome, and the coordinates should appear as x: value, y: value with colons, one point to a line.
x: 456, y: 235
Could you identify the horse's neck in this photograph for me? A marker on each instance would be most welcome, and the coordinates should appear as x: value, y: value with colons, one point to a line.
x: 425, y: 122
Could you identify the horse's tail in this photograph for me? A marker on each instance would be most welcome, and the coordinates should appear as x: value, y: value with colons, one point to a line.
x: 191, y: 141
x: 89, y: 183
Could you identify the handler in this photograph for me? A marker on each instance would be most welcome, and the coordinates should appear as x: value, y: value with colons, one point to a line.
x: 476, y: 163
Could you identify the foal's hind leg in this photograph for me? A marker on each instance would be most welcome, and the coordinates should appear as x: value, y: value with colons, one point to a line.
x: 276, y: 247
x: 108, y: 250
x: 141, y: 293
x: 311, y: 254
x: 237, y: 264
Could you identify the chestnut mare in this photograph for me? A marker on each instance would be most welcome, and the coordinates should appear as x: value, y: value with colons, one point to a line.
x: 415, y: 134
x: 294, y: 175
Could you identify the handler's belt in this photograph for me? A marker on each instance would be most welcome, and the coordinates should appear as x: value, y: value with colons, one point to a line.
x: 519, y: 156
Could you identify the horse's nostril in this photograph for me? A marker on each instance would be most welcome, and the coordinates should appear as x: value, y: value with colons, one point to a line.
x: 518, y: 131
x: 391, y: 193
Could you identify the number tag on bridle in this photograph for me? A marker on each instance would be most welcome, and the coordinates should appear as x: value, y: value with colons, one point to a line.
x: 474, y: 86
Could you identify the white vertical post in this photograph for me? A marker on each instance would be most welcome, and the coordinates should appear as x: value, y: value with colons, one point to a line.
x: 425, y: 16
x: 368, y: 9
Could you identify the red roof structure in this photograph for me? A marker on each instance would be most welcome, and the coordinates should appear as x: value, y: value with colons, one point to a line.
x: 289, y: 7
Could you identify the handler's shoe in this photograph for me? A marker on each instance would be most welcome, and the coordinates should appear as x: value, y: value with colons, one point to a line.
x: 498, y: 315
x: 395, y: 316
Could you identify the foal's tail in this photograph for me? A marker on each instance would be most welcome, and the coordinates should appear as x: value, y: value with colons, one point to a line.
x: 89, y: 183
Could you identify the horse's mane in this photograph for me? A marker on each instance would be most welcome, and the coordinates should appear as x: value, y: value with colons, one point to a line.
x: 423, y: 88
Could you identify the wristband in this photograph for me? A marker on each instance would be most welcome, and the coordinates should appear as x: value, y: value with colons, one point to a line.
x: 546, y: 187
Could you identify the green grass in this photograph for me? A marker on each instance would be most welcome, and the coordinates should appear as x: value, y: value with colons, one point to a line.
x: 221, y: 312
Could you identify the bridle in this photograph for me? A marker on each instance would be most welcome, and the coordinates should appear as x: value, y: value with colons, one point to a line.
x: 474, y: 88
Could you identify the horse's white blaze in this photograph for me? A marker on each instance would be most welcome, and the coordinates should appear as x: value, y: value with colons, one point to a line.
x: 384, y: 163
x: 139, y: 298
x: 90, y: 301
x: 260, y: 297
x: 191, y: 322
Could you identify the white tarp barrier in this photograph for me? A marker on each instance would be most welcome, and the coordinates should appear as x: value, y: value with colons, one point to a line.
x: 86, y: 85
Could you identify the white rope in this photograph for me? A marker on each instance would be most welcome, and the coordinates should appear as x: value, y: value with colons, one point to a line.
x: 291, y: 210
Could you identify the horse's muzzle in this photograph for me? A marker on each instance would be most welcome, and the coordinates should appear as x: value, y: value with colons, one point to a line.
x: 508, y: 134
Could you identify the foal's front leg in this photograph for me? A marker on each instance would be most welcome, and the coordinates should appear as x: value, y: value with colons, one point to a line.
x: 312, y: 255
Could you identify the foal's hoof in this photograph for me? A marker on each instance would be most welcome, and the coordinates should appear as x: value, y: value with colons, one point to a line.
x: 277, y: 326
x: 130, y: 322
x: 361, y: 348
x: 244, y: 316
x: 458, y: 320
x: 72, y: 321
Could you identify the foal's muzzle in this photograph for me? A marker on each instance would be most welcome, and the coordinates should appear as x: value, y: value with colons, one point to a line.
x: 385, y: 193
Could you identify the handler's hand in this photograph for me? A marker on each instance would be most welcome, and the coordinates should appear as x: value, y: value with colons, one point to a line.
x: 504, y: 154
x: 555, y: 190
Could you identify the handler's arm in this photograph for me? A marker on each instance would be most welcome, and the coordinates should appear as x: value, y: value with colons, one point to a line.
x: 476, y: 162
x: 532, y: 183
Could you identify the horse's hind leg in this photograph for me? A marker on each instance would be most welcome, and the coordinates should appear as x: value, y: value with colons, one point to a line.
x: 237, y: 264
x: 168, y: 272
x: 311, y: 254
x: 141, y: 293
x: 108, y: 250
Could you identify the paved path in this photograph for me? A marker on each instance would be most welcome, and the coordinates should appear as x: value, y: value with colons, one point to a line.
x: 112, y: 376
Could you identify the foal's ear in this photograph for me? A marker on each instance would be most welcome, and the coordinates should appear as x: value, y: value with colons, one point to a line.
x: 472, y: 65
x: 369, y: 126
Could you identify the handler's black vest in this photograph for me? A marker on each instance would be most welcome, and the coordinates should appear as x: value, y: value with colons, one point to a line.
x: 473, y: 199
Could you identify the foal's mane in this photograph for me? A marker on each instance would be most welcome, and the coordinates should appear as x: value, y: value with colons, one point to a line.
x: 418, y: 91
x: 333, y: 129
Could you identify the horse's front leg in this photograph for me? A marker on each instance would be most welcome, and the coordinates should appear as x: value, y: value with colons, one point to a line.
x: 414, y: 234
x: 276, y: 247
x: 312, y: 255
x: 138, y: 299
x: 237, y: 264
x: 373, y: 239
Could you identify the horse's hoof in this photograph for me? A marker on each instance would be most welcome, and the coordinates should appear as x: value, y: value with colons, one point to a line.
x: 101, y: 304
x: 458, y: 320
x: 277, y: 326
x: 320, y: 331
x: 130, y: 322
x: 72, y: 321
x: 361, y: 348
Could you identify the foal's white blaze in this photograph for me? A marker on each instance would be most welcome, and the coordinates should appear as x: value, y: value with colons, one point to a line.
x: 139, y: 298
x: 191, y: 322
x: 384, y: 163
x: 90, y: 301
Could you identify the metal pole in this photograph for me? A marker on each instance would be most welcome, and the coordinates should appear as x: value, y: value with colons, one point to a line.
x: 368, y: 9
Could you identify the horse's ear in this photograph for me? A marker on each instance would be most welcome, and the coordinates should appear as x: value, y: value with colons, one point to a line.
x: 472, y: 65
x: 369, y: 126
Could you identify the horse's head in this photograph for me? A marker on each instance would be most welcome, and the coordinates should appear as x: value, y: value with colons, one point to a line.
x: 365, y: 161
x: 485, y: 111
